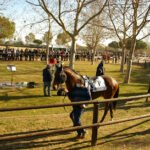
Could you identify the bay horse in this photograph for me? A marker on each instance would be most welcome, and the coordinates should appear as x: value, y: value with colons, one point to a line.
x: 71, y: 77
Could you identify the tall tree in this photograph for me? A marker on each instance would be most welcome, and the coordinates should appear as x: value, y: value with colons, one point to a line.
x: 118, y: 14
x: 7, y: 28
x: 94, y: 32
x: 114, y: 44
x: 139, y: 44
x: 68, y: 15
x: 4, y: 4
x: 47, y: 39
x: 140, y: 19
x: 128, y: 19
x: 30, y: 38
x: 37, y: 41
x: 63, y: 38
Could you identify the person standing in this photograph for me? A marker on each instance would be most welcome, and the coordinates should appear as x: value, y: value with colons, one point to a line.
x: 47, y: 78
x: 78, y: 110
x: 100, y: 69
x: 75, y: 116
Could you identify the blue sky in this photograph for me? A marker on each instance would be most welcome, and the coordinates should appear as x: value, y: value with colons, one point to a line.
x: 22, y: 14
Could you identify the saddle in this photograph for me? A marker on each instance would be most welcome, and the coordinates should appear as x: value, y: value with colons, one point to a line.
x: 95, y: 85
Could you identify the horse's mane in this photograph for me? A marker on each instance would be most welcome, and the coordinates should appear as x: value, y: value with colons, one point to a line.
x: 73, y: 71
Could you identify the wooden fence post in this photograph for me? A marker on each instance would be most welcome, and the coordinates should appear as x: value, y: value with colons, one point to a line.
x: 95, y: 120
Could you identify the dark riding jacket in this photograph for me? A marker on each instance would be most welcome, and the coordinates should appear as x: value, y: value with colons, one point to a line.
x: 100, y: 70
x: 47, y: 77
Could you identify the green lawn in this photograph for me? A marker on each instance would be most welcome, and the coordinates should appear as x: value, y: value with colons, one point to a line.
x: 131, y: 135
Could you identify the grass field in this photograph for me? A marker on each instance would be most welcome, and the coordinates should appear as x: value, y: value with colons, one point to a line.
x: 131, y: 135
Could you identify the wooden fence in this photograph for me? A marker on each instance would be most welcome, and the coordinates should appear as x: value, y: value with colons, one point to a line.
x: 94, y: 126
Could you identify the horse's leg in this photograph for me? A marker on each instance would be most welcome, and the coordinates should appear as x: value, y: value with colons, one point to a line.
x: 105, y: 111
x: 72, y: 117
x: 111, y: 111
x: 113, y: 104
x: 54, y: 85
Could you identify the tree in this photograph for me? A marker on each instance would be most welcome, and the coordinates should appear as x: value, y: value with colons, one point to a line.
x: 118, y: 14
x: 7, y: 28
x: 93, y: 33
x: 140, y: 19
x: 30, y: 38
x: 63, y: 38
x: 68, y: 15
x: 37, y: 41
x: 114, y: 44
x: 3, y: 5
x: 128, y: 19
x: 139, y: 44
x: 18, y: 43
x: 45, y: 37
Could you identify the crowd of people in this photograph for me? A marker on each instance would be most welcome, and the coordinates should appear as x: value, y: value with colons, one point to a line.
x: 27, y: 54
x: 39, y: 54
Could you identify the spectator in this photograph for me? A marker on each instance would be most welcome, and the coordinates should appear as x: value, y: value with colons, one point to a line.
x: 47, y: 78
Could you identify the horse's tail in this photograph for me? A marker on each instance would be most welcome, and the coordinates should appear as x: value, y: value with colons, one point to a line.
x: 115, y: 96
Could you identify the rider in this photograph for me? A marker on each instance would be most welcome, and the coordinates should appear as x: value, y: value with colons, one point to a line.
x: 100, y: 70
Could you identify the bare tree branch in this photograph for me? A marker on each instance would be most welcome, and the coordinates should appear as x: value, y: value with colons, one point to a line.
x: 32, y: 3
x: 92, y: 17
x: 37, y: 22
x: 140, y: 27
x: 144, y: 37
x: 110, y: 16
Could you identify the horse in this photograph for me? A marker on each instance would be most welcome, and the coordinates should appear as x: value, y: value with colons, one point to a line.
x: 71, y: 77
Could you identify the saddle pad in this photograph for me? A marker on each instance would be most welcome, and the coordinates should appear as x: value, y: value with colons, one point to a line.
x: 98, y: 84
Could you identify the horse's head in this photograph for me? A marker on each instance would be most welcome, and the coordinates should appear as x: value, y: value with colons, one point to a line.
x: 60, y: 75
x: 66, y: 74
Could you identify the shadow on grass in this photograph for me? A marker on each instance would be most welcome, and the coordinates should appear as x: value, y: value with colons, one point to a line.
x: 26, y: 143
x: 30, y: 143
x: 24, y: 133
x: 87, y: 143
x: 7, y: 98
x: 144, y: 105
x: 69, y: 143
x: 122, y: 105
x: 132, y: 94
x: 116, y: 136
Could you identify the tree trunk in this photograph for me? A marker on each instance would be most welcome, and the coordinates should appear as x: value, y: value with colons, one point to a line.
x: 47, y: 53
x: 129, y: 68
x: 72, y: 53
x: 135, y: 5
x: 123, y: 60
x: 93, y: 56
x: 48, y: 40
x: 129, y: 65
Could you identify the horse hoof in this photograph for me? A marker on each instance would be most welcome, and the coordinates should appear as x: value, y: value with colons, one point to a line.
x: 78, y: 137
